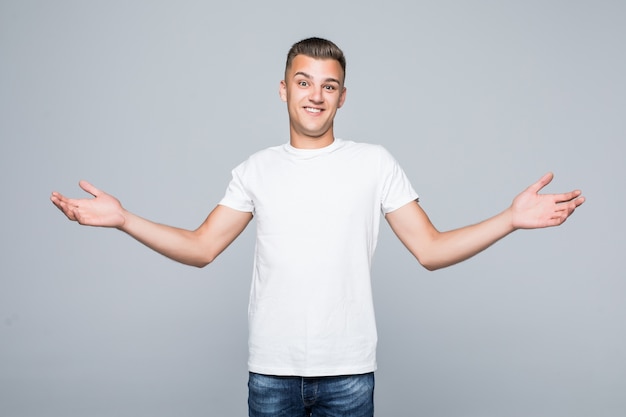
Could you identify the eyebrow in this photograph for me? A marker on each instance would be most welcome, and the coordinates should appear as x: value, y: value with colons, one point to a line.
x: 305, y: 75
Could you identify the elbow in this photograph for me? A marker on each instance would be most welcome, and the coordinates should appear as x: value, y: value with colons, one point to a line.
x: 426, y: 263
x: 197, y: 260
x: 431, y: 266
x: 431, y: 263
x: 434, y: 264
x: 200, y: 265
x: 202, y: 262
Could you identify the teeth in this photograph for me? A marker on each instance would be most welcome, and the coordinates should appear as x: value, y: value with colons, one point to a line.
x: 312, y: 110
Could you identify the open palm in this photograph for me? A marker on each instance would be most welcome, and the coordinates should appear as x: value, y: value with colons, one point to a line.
x: 102, y: 210
x: 532, y: 210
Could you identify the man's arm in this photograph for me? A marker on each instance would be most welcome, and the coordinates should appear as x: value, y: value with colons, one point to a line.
x: 434, y: 249
x: 192, y: 247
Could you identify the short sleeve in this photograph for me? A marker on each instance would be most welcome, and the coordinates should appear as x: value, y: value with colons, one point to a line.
x: 397, y: 190
x: 236, y: 196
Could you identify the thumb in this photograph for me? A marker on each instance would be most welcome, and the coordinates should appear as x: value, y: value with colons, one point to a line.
x: 545, y: 180
x: 88, y: 187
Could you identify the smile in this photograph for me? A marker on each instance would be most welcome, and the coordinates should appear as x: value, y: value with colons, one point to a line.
x: 312, y: 110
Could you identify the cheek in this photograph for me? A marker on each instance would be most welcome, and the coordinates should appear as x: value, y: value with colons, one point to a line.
x: 292, y: 97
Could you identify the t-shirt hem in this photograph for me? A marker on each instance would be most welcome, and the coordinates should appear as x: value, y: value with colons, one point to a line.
x: 233, y: 205
x: 402, y: 203
x: 317, y: 372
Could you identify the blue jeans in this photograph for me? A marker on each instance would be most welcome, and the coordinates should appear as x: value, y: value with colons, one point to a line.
x: 294, y: 396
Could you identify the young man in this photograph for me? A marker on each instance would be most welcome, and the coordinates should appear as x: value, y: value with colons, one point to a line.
x: 317, y: 201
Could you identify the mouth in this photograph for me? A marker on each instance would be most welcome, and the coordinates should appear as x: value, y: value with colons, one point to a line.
x: 312, y: 110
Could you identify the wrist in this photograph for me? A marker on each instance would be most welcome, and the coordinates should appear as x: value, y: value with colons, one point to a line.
x: 509, y: 219
x: 124, y: 220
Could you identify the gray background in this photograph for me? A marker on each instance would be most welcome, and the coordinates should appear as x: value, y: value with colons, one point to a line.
x: 156, y: 101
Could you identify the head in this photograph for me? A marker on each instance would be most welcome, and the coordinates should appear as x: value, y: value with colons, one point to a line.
x: 313, y: 90
x: 317, y: 48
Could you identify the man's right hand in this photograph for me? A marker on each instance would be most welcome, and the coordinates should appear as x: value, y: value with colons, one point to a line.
x: 103, y: 210
x: 197, y: 247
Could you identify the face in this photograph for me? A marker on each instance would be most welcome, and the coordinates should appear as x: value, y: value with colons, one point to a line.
x: 313, y: 90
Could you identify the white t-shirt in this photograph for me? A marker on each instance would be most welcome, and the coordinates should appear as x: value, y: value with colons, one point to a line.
x: 317, y: 215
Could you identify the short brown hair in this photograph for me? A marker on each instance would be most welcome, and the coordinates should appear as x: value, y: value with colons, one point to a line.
x: 317, y: 48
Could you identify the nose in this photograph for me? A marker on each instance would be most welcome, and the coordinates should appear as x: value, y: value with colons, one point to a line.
x: 316, y: 95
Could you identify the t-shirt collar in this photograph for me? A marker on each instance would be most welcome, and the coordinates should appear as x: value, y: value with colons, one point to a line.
x: 312, y: 153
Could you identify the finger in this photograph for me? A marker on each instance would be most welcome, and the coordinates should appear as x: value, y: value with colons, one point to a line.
x: 88, y: 187
x: 543, y: 181
x: 58, y: 199
x: 54, y: 197
x: 566, y: 197
x: 573, y: 205
x: 66, y: 209
x: 567, y: 209
x: 78, y: 216
x: 579, y: 201
x: 562, y: 214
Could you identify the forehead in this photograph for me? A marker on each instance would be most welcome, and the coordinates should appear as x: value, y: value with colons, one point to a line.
x: 316, y: 68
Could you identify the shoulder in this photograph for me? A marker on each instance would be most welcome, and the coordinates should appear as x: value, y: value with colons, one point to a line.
x: 369, y: 150
x: 267, y: 153
x: 262, y: 157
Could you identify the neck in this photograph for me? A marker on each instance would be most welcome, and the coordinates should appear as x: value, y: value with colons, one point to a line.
x: 308, y: 142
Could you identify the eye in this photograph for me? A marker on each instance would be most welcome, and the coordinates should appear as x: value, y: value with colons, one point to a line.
x: 303, y: 83
x: 330, y: 87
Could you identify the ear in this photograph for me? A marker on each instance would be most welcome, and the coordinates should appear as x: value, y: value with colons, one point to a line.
x: 282, y: 91
x: 342, y: 98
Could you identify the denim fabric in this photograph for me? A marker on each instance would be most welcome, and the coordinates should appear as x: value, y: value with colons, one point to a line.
x: 291, y: 396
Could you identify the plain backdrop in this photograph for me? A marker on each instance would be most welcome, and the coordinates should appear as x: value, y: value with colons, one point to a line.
x: 156, y: 101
